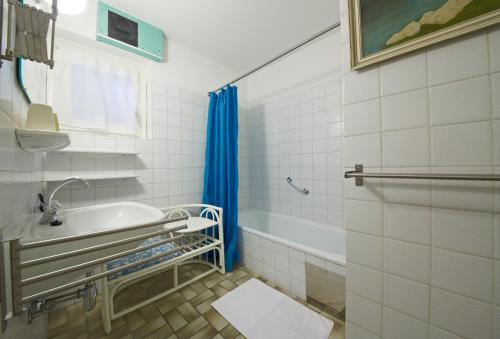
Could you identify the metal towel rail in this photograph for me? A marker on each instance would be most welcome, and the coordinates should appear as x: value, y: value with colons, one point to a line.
x: 16, y: 247
x: 359, y: 175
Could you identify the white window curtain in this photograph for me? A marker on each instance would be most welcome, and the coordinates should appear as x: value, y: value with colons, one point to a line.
x: 90, y: 90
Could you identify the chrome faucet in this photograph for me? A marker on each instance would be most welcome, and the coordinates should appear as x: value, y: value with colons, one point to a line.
x: 52, y: 207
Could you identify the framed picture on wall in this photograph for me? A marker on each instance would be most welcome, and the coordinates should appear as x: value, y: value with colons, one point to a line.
x: 383, y: 29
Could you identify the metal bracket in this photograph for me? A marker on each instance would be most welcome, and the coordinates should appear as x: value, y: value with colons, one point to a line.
x: 359, y: 181
x: 358, y: 169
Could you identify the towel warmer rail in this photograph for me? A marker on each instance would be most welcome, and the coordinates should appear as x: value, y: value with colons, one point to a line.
x: 359, y: 176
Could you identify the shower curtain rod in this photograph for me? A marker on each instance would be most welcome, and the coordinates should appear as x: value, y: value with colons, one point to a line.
x: 279, y: 56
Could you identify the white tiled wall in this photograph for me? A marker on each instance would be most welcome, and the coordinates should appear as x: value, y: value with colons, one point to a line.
x: 422, y: 256
x: 169, y: 166
x: 298, y: 134
x: 20, y: 171
x: 281, y: 264
x: 20, y: 175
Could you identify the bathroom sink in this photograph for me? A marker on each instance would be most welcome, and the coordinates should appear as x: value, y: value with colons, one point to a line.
x: 94, y: 219
x: 84, y: 220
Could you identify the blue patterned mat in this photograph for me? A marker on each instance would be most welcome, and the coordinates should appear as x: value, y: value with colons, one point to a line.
x: 143, y: 255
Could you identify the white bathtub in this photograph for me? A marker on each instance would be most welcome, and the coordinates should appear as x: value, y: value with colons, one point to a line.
x: 277, y: 246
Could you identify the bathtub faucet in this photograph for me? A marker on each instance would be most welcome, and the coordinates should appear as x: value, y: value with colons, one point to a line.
x: 52, y: 207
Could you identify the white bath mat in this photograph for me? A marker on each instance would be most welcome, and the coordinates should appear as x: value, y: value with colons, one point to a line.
x: 258, y: 311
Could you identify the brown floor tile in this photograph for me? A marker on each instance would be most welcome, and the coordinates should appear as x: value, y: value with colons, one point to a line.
x: 206, y: 305
x: 188, y: 311
x: 192, y: 328
x: 175, y: 320
x: 206, y: 332
x: 57, y: 318
x: 160, y: 333
x: 198, y: 286
x: 119, y: 332
x: 243, y: 280
x: 338, y: 331
x: 118, y: 322
x: 69, y: 326
x: 176, y: 316
x: 216, y: 320
x: 228, y: 284
x: 229, y: 332
x: 134, y: 320
x: 72, y: 333
x: 149, y: 312
x: 167, y: 298
x: 214, y: 281
x: 188, y: 293
x: 171, y: 304
x: 150, y: 326
x: 97, y: 331
x: 219, y: 290
x: 238, y: 275
x: 201, y: 297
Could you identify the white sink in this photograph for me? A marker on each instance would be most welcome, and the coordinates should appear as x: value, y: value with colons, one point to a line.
x: 94, y: 219
x: 84, y: 220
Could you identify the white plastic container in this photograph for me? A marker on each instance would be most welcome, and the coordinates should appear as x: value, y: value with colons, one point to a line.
x: 40, y: 117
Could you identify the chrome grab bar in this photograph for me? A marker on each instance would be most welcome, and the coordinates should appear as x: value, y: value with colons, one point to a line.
x: 359, y: 175
x: 304, y: 191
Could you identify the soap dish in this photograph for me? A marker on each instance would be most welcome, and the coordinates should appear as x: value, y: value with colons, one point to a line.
x: 32, y: 140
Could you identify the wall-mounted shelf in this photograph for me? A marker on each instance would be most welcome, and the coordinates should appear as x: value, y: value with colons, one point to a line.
x: 91, y: 177
x: 41, y: 141
x: 95, y: 153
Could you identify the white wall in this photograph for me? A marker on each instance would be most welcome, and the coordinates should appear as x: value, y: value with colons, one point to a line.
x: 20, y: 175
x: 169, y: 164
x: 171, y: 160
x: 181, y: 67
x: 310, y: 63
x: 295, y: 129
x: 422, y: 257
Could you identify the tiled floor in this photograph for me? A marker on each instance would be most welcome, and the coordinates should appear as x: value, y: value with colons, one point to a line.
x: 183, y: 314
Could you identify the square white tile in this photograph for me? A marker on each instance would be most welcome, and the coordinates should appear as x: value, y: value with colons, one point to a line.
x: 464, y: 274
x: 404, y: 74
x: 468, y: 317
x: 459, y: 102
x: 405, y: 110
x: 407, y: 296
x: 407, y: 260
x: 458, y: 59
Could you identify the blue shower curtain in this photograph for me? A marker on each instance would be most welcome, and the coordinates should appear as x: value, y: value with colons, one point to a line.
x: 221, y: 166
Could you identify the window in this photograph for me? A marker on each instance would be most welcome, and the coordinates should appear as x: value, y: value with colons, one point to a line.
x: 94, y: 91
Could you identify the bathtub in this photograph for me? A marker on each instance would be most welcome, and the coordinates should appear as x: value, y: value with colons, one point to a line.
x: 278, y: 246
